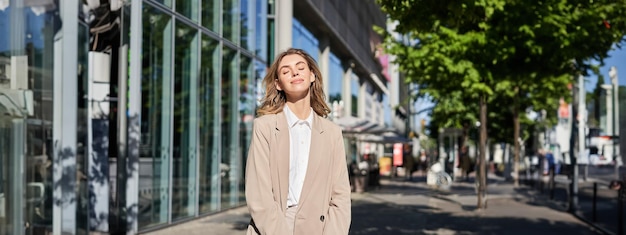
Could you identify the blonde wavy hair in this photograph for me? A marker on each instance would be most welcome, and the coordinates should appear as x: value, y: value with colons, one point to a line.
x: 274, y: 100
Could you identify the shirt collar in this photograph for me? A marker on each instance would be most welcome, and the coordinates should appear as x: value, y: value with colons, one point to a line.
x: 292, y: 119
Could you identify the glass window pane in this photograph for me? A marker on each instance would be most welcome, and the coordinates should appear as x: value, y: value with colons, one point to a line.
x: 260, y: 70
x: 261, y: 29
x: 387, y: 111
x: 247, y: 106
x: 247, y: 25
x: 271, y: 38
x: 209, y: 134
x: 167, y: 3
x: 335, y: 86
x: 188, y: 8
x: 230, y: 167
x: 231, y: 20
x: 185, y: 121
x: 271, y: 4
x: 354, y: 90
x: 211, y: 14
x: 26, y: 68
x: 98, y: 125
x: 155, y: 128
x: 335, y: 80
x: 303, y: 38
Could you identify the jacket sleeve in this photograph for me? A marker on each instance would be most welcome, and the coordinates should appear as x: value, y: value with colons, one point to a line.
x: 340, y: 211
x: 266, y: 213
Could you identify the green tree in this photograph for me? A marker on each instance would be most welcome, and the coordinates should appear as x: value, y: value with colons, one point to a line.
x: 595, y: 99
x: 524, y: 50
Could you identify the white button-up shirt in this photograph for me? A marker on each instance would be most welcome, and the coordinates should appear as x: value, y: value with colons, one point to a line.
x: 300, y: 144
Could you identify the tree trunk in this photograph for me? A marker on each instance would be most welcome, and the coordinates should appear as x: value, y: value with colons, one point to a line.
x: 482, y: 171
x: 516, y: 133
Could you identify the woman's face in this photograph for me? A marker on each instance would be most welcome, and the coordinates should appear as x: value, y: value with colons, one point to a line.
x: 294, y: 76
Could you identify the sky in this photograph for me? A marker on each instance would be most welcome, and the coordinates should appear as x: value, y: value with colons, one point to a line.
x: 616, y: 58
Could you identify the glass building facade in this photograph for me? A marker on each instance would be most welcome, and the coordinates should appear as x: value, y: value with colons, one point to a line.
x: 125, y: 115
x: 201, y: 66
x: 130, y: 116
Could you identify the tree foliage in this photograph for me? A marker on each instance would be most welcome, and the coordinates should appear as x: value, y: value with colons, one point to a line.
x: 487, y: 46
x: 458, y: 50
x: 517, y: 51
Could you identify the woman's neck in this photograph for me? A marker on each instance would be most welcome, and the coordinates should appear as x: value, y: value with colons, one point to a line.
x: 301, y: 108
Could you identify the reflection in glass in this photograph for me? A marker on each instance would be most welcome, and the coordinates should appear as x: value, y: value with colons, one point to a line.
x: 210, y: 15
x: 303, y: 38
x: 167, y: 3
x: 354, y: 91
x: 260, y: 31
x: 230, y: 20
x: 335, y: 81
x: 271, y: 38
x: 26, y: 59
x: 185, y: 121
x: 247, y: 28
x: 230, y: 166
x: 247, y: 105
x: 188, y: 8
x: 208, y: 125
x: 260, y: 70
x: 82, y: 160
x: 155, y: 115
x: 386, y: 110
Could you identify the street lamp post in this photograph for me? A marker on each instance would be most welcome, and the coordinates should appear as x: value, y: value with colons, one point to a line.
x: 580, y: 112
x: 613, y: 76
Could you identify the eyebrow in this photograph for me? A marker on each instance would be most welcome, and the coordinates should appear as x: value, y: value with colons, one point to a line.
x: 301, y: 62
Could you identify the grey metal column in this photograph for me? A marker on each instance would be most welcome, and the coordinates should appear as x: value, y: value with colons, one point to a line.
x: 64, y: 121
x: 235, y: 160
x: 192, y: 190
x: 18, y: 19
x: 614, y: 83
x: 347, y: 91
x: 216, y: 179
x: 614, y: 117
x: 615, y: 97
x: 284, y: 18
x: 324, y: 63
x: 118, y: 193
x: 98, y: 140
x: 16, y: 166
x: 17, y: 176
x: 167, y: 122
x: 134, y: 119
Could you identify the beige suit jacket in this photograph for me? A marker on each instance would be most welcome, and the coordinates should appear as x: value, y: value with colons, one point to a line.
x: 324, y: 206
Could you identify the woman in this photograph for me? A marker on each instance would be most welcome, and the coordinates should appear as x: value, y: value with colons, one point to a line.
x: 296, y: 174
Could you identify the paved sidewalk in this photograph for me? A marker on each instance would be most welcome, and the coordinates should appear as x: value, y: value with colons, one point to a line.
x: 412, y: 207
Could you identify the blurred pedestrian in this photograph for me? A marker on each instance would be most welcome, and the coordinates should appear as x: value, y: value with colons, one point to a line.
x: 409, y: 162
x: 465, y: 162
x: 551, y: 162
x: 547, y: 161
x: 423, y: 163
x: 296, y: 166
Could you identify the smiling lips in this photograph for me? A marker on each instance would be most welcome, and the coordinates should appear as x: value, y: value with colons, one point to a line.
x: 297, y: 81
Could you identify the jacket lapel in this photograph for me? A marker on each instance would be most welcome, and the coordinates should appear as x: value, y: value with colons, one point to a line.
x: 317, y: 144
x: 282, y: 155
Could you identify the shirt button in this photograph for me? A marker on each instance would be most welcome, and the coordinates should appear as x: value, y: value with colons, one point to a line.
x: 322, y: 218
